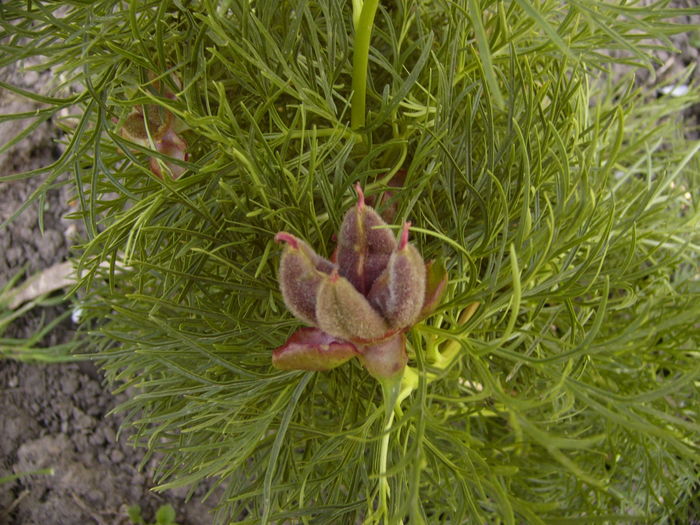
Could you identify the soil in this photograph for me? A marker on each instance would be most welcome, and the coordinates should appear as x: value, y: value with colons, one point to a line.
x: 57, y: 416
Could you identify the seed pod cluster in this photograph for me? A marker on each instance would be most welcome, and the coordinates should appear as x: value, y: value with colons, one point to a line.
x: 360, y: 304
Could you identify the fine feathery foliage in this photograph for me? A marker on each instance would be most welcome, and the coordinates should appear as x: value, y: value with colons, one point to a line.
x: 557, y: 381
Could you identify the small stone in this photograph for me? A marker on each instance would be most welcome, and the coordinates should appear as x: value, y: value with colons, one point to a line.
x: 109, y: 434
x: 30, y: 78
x: 116, y: 456
x: 13, y: 255
x: 70, y: 385
x: 95, y: 496
x: 82, y: 420
x: 97, y: 439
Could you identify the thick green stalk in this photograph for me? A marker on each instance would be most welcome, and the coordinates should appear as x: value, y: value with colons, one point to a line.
x: 363, y: 32
x: 390, y: 390
x: 384, y: 454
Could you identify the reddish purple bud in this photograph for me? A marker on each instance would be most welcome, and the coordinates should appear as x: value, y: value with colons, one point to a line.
x: 386, y: 201
x: 312, y: 349
x: 172, y: 146
x: 343, y: 312
x: 154, y: 124
x: 301, y: 273
x: 154, y: 128
x: 399, y: 292
x: 435, y: 287
x: 386, y: 359
x: 363, y: 250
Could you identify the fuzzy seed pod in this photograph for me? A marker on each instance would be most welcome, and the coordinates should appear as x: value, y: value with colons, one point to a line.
x: 363, y: 250
x: 172, y: 146
x: 399, y: 292
x: 360, y: 306
x: 301, y: 273
x: 343, y: 312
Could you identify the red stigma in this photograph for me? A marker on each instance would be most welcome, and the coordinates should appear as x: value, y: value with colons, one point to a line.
x: 288, y: 238
x: 404, y: 235
x: 360, y: 196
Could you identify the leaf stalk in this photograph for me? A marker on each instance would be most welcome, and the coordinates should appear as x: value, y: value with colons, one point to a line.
x: 363, y: 33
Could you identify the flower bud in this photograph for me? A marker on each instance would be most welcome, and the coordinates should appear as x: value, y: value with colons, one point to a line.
x: 173, y: 146
x: 154, y: 123
x: 399, y: 292
x: 363, y: 250
x: 151, y: 125
x: 301, y: 273
x: 343, y: 312
x: 312, y: 349
x: 435, y: 287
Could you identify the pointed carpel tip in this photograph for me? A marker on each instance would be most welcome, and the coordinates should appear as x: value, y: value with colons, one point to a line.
x: 288, y: 238
x: 404, y: 235
x: 360, y: 196
x: 334, y: 275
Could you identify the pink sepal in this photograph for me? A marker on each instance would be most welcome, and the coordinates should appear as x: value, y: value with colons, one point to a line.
x: 312, y: 349
x: 385, y: 359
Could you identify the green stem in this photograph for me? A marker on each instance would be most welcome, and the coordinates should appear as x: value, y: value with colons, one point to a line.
x: 363, y: 32
x: 441, y: 358
x: 383, y: 459
x: 390, y: 390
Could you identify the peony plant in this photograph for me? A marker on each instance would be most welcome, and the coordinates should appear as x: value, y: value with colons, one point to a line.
x: 564, y: 199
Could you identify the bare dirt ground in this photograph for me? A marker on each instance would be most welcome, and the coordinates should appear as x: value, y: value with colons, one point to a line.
x: 57, y: 416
